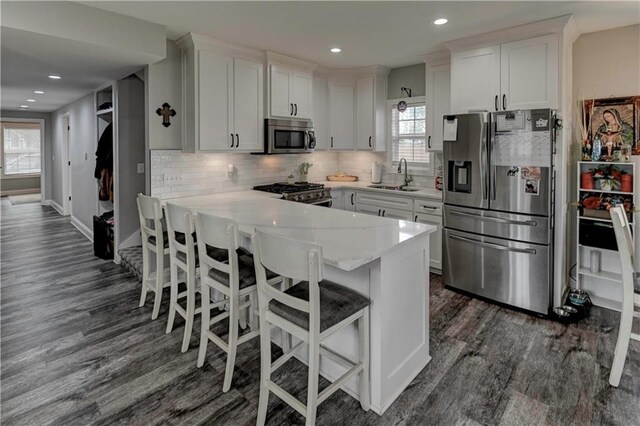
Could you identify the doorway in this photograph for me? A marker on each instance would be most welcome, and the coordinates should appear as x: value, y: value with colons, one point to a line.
x: 67, y: 180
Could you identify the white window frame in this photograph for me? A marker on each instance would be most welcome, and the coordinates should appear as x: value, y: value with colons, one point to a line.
x: 413, y: 168
x: 40, y: 122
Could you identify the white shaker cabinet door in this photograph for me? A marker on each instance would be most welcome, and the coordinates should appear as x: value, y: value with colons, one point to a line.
x: 302, y: 95
x: 529, y: 73
x: 215, y: 101
x: 438, y: 104
x: 365, y: 110
x: 475, y: 80
x: 320, y: 113
x: 435, y: 239
x: 281, y: 96
x: 341, y: 117
x: 247, y: 102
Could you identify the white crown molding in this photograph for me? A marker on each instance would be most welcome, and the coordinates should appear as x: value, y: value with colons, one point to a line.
x: 193, y: 40
x: 534, y: 29
x: 280, y: 59
x: 442, y: 57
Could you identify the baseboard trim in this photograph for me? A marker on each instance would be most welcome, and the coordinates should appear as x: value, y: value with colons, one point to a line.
x: 82, y: 228
x: 10, y: 192
x: 57, y: 207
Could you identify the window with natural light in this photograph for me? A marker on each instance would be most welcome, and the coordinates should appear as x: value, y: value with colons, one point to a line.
x: 20, y: 149
x: 408, y: 137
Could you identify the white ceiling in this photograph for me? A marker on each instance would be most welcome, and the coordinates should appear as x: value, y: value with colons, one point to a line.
x: 28, y: 58
x: 391, y: 34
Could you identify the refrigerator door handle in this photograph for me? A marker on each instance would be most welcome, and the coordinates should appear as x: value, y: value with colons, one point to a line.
x: 484, y: 169
x: 532, y: 223
x: 493, y: 245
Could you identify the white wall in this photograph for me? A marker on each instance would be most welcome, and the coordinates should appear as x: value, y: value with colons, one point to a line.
x: 163, y: 84
x: 412, y: 77
x: 82, y: 142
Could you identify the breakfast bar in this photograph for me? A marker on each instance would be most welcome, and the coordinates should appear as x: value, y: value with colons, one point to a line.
x: 385, y: 259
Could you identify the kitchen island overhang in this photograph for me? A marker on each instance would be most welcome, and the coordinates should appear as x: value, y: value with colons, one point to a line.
x: 382, y: 258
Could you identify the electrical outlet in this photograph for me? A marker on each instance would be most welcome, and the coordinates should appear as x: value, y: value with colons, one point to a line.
x: 172, y: 179
x: 140, y: 167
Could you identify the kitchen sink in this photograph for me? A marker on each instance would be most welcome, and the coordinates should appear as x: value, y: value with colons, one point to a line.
x: 394, y: 188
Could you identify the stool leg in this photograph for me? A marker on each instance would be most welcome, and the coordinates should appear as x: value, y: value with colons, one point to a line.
x: 314, y: 371
x: 624, y: 335
x: 205, y: 316
x: 145, y: 275
x: 242, y: 317
x: 284, y: 336
x: 159, y: 283
x: 265, y: 364
x: 233, y: 342
x: 191, y: 308
x: 363, y: 329
x: 174, y: 298
x: 253, y: 323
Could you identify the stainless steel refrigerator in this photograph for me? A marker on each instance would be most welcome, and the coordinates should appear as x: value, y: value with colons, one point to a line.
x: 498, y: 206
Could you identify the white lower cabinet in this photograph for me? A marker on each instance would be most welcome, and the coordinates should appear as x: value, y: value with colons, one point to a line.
x: 435, y: 245
x: 337, y: 199
x: 349, y: 201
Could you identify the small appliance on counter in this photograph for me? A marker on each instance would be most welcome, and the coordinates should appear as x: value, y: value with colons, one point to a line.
x: 376, y: 172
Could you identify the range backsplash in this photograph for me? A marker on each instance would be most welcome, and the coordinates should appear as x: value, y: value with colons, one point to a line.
x: 176, y: 174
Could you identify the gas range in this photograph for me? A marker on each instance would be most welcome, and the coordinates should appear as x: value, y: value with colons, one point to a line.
x: 300, y: 192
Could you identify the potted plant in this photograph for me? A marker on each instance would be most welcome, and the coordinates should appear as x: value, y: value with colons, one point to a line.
x: 609, y: 184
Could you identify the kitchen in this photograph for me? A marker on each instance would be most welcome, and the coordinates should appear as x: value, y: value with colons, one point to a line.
x: 216, y: 107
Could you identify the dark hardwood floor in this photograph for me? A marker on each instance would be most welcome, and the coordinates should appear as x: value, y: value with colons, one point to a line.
x: 76, y: 350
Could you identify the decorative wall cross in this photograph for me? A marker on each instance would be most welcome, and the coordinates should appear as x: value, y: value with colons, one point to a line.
x: 166, y: 112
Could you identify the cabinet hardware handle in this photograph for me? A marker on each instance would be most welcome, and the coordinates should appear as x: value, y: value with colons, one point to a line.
x: 232, y: 142
x: 370, y: 146
x: 331, y: 141
x: 416, y: 219
x: 383, y: 212
x: 493, y: 245
x: 291, y: 105
x: 495, y: 103
x: 429, y: 142
x: 237, y: 140
x: 504, y: 102
x: 296, y: 113
x: 351, y: 194
x: 429, y: 207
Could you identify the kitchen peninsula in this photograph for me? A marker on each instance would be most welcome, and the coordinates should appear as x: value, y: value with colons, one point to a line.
x: 385, y: 259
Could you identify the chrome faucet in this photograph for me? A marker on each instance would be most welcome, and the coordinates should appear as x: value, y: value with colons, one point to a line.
x: 407, y: 177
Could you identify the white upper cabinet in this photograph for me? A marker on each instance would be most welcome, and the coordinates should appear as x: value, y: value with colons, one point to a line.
x: 365, y: 111
x: 438, y: 100
x: 475, y: 80
x: 291, y: 93
x: 320, y: 113
x: 341, y: 117
x: 529, y: 73
x: 215, y: 103
x: 247, y: 105
x: 222, y: 98
x: 515, y: 75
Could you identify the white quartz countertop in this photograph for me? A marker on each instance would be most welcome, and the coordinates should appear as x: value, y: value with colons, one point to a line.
x: 430, y: 193
x: 349, y: 240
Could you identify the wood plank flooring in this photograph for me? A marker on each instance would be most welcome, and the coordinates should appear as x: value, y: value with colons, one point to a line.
x: 77, y: 350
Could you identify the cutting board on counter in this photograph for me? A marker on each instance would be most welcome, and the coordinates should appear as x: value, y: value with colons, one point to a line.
x: 342, y: 178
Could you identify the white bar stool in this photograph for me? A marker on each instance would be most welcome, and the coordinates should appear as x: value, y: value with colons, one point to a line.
x: 235, y: 280
x: 630, y: 293
x: 311, y: 310
x: 184, y: 258
x: 154, y: 240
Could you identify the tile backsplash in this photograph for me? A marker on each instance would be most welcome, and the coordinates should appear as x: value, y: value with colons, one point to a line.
x: 176, y: 174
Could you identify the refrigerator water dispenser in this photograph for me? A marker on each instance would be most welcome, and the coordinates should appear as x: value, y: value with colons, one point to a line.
x: 461, y: 173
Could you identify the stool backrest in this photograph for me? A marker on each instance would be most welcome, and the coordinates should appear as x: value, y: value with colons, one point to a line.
x: 180, y: 220
x: 289, y: 258
x: 150, y: 213
x: 221, y: 233
x: 625, y: 249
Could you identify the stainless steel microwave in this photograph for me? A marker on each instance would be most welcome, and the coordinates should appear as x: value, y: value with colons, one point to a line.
x: 288, y: 136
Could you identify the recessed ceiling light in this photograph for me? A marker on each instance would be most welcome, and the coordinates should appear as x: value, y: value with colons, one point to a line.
x: 31, y: 100
x: 440, y: 21
x: 335, y: 50
x: 24, y: 106
x: 55, y: 77
x: 38, y: 92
